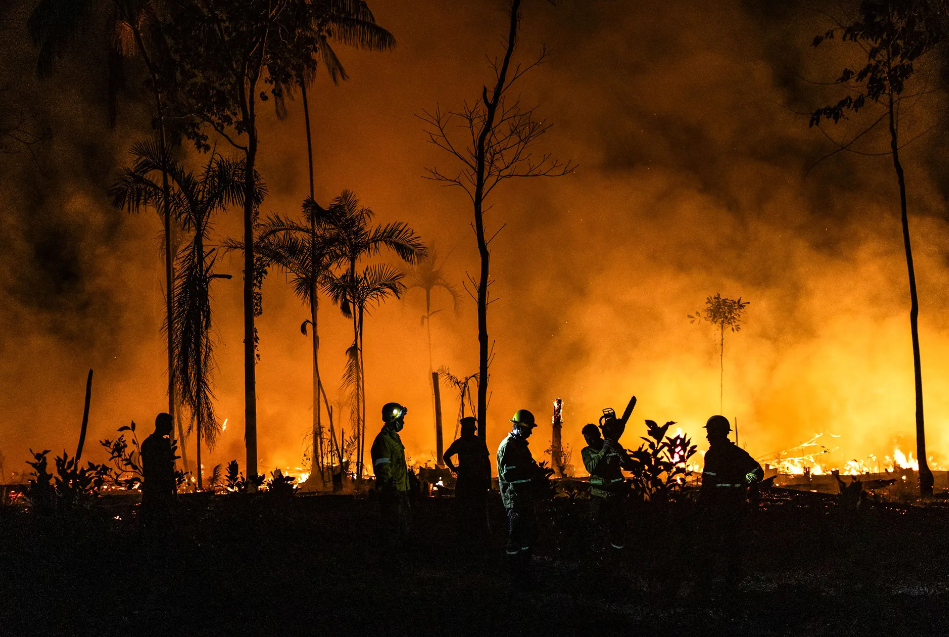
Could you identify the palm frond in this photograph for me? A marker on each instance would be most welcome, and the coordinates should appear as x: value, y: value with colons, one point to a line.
x: 399, y: 237
x: 351, y: 383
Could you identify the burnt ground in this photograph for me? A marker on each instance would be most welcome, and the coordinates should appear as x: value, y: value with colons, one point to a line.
x: 315, y: 566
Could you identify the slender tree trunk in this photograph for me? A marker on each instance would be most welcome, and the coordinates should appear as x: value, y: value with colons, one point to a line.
x: 199, y: 353
x: 491, y: 107
x: 362, y: 383
x: 85, y: 418
x: 439, y: 442
x: 358, y: 390
x: 317, y: 465
x: 250, y: 346
x: 721, y: 372
x: 925, y: 474
x: 166, y: 220
x: 200, y: 467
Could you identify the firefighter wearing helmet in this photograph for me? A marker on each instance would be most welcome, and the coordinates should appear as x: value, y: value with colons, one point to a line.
x: 392, y: 475
x: 729, y: 471
x: 517, y: 473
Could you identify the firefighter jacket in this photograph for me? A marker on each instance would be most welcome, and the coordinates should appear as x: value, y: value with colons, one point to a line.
x: 516, y: 472
x: 388, y: 461
x: 473, y: 466
x: 727, y: 473
x: 605, y: 467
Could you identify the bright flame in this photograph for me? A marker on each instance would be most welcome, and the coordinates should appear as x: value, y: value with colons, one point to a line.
x: 224, y: 425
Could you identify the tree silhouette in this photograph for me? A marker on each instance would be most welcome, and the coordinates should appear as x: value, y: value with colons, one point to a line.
x: 130, y: 26
x: 193, y: 201
x: 226, y: 52
x: 894, y: 36
x: 495, y: 142
x: 724, y: 314
x: 307, y: 253
x: 428, y: 275
x: 347, y: 22
x: 355, y: 291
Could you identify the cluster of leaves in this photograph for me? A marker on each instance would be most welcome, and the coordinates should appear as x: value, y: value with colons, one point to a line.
x: 544, y: 486
x: 722, y: 312
x: 69, y: 487
x: 235, y: 482
x: 126, y: 459
x: 280, y: 485
x: 894, y: 34
x: 660, y: 465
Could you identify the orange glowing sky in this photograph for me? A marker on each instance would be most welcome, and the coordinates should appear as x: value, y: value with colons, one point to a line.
x: 685, y: 123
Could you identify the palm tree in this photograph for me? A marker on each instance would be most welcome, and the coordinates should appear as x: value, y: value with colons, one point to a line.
x: 352, y: 23
x: 428, y: 275
x: 355, y: 292
x: 349, y: 22
x: 193, y: 201
x: 130, y: 25
x: 307, y: 254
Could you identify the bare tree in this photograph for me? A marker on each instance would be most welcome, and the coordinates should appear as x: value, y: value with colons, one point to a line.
x: 491, y: 140
x: 894, y: 36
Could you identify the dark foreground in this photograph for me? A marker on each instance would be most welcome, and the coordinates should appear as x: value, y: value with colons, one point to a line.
x: 315, y: 566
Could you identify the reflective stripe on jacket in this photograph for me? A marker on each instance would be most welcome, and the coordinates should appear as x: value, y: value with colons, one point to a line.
x: 516, y: 471
x: 388, y: 461
x: 728, y: 470
x: 605, y: 469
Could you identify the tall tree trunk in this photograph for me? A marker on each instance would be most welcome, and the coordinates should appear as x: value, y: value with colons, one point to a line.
x: 200, y: 467
x: 199, y: 355
x: 250, y: 346
x: 317, y: 465
x: 362, y: 383
x: 166, y: 221
x: 925, y: 474
x: 491, y: 107
x: 439, y: 442
x: 358, y: 389
x: 85, y: 418
x: 721, y: 371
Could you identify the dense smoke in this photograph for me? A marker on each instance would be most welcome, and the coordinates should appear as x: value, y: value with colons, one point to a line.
x: 686, y: 122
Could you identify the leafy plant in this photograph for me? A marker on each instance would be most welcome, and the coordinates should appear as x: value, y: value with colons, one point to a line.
x: 70, y: 486
x: 40, y: 492
x: 660, y: 466
x: 279, y: 485
x: 235, y: 482
x: 126, y: 458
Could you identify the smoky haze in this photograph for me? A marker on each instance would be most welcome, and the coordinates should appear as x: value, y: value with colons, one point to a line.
x: 685, y: 121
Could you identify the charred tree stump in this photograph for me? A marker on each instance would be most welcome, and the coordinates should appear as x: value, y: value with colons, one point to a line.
x: 556, y: 444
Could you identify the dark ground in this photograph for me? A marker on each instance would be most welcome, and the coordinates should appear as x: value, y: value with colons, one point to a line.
x: 240, y: 565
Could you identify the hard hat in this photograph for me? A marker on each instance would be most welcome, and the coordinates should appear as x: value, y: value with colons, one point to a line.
x: 524, y: 418
x: 718, y: 423
x: 469, y: 422
x: 393, y: 411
